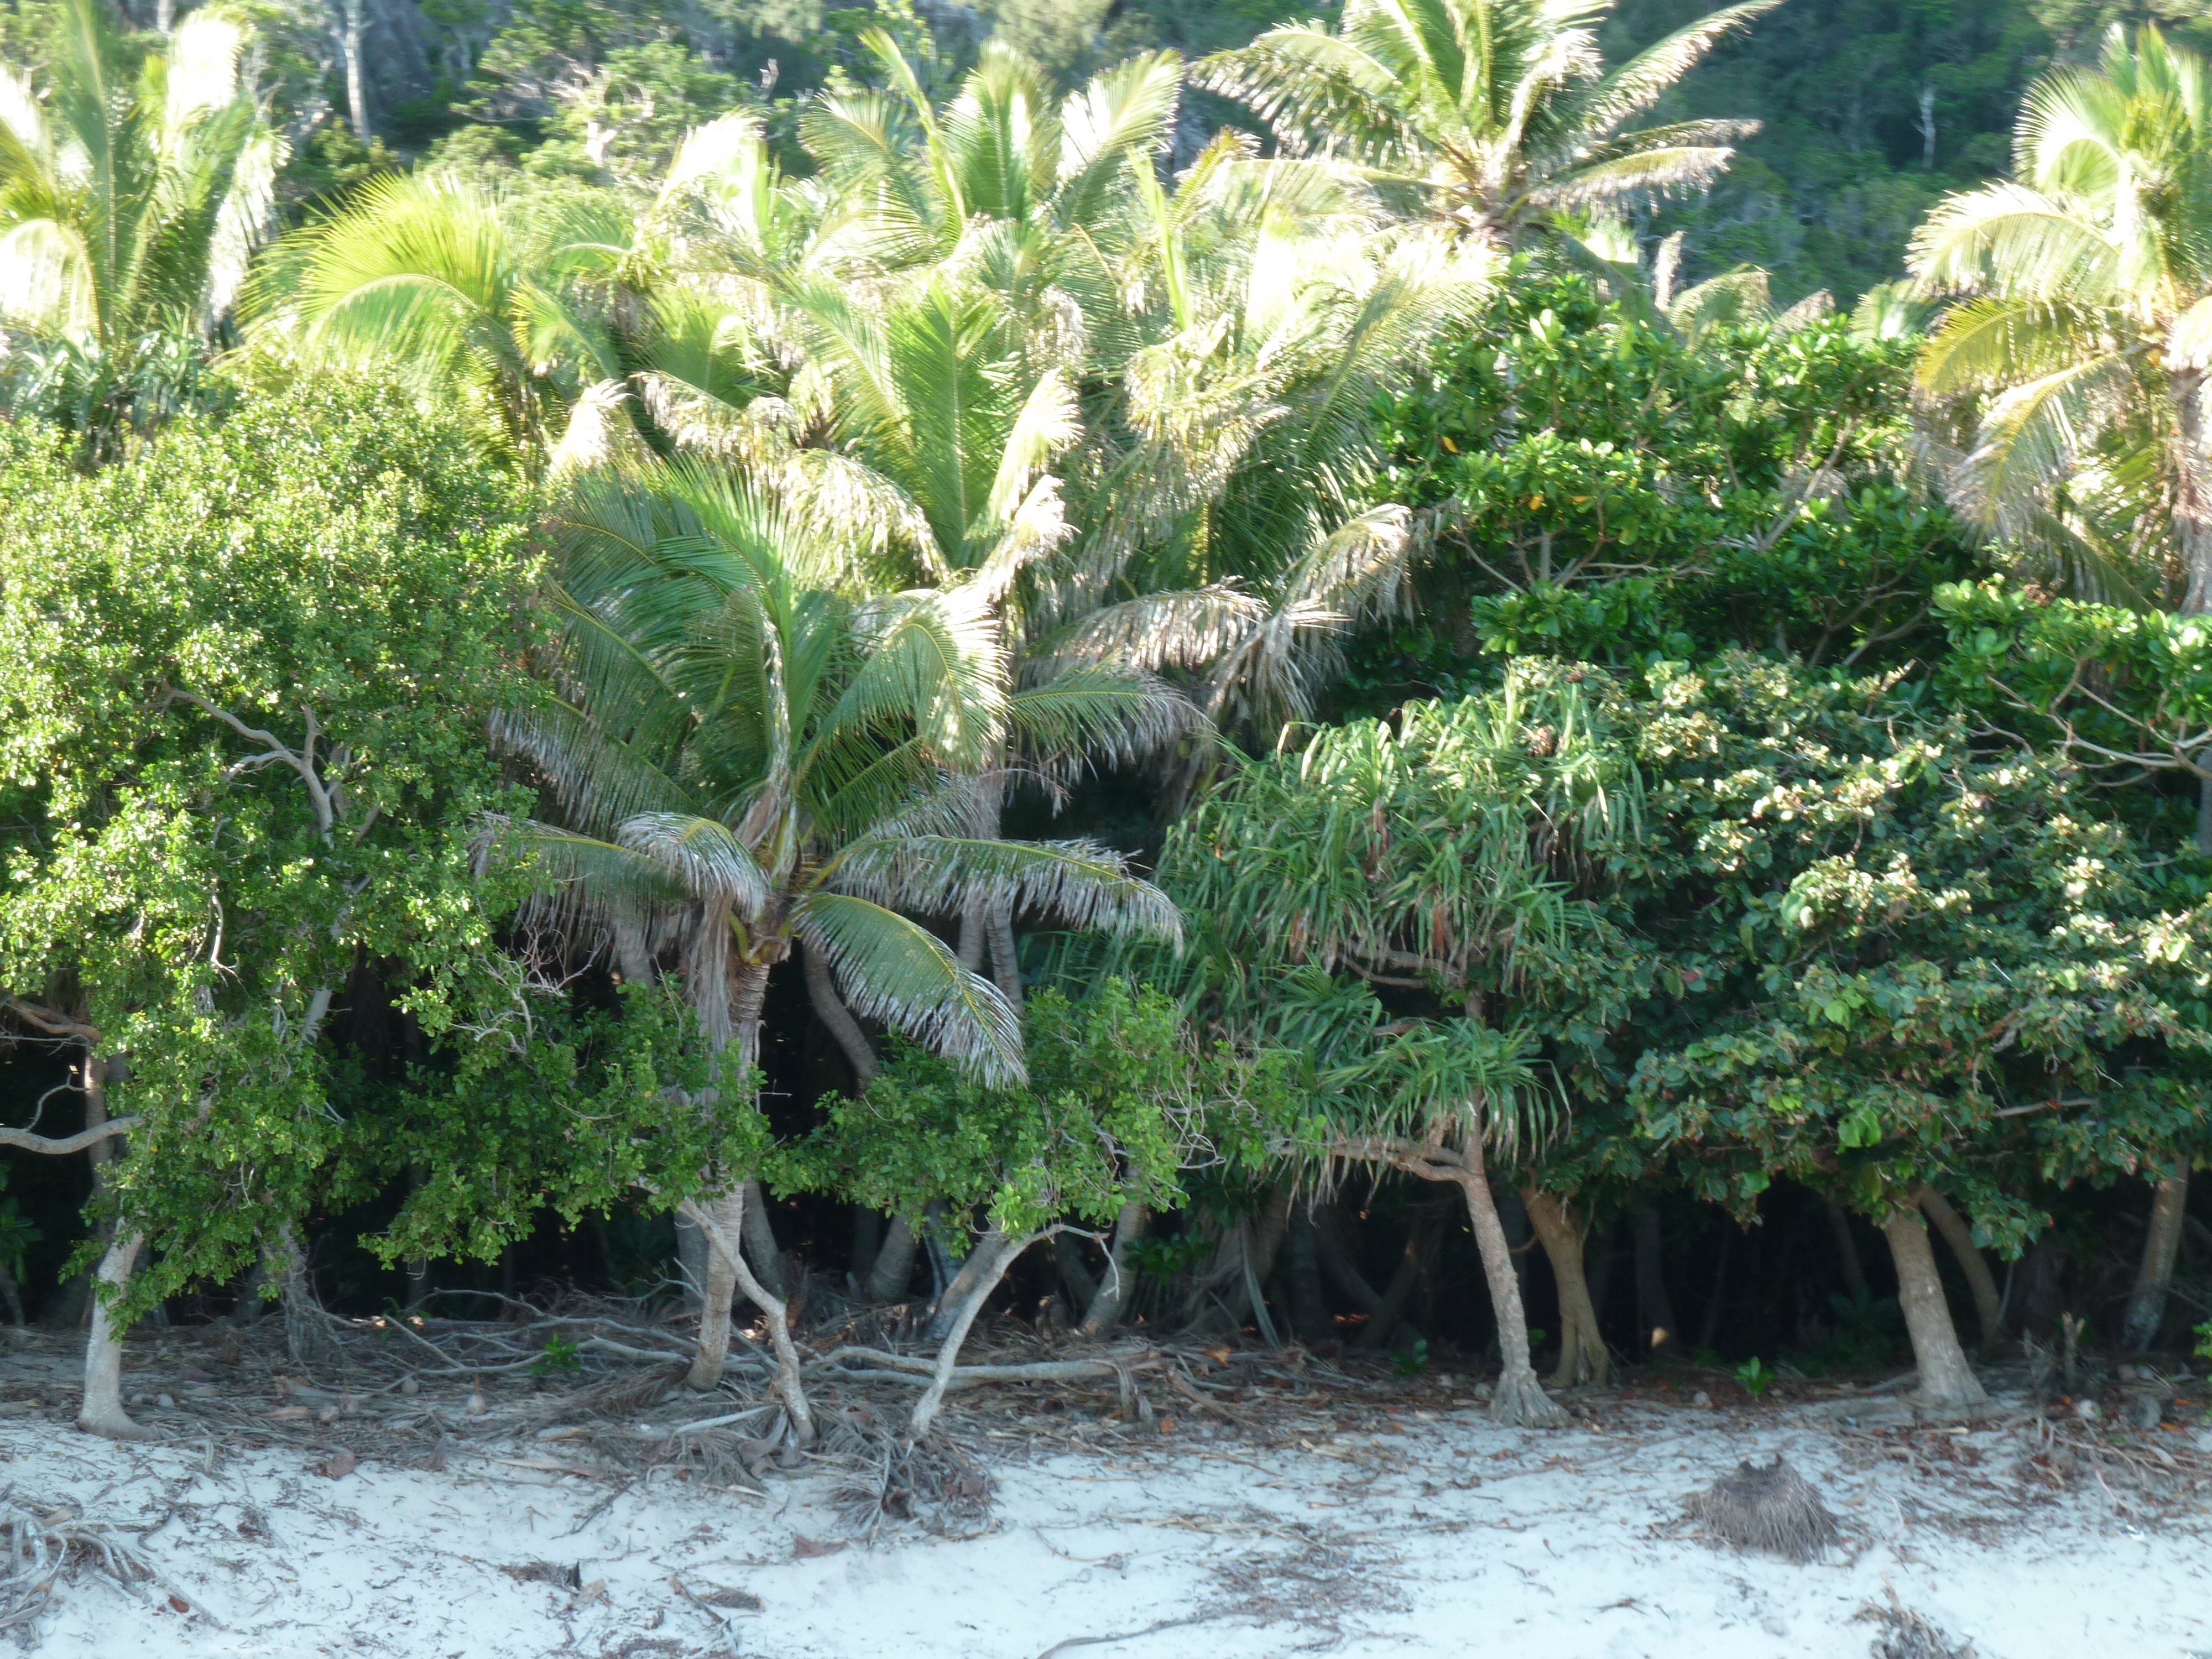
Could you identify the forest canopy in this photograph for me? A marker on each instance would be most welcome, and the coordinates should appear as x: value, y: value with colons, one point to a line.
x: 1206, y: 666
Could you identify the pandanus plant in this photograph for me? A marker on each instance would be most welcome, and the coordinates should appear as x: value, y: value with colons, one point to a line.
x: 1451, y: 860
x: 743, y: 745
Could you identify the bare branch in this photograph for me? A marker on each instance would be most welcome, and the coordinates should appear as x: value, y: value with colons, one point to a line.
x: 28, y: 1142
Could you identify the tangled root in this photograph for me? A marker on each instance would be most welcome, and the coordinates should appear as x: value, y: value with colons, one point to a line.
x: 1773, y: 1509
x: 931, y: 1482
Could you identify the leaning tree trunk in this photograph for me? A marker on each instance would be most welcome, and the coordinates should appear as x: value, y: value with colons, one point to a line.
x: 1946, y: 1378
x: 1520, y: 1398
x: 102, y: 1412
x: 723, y: 1220
x: 1988, y: 1307
x: 894, y: 1265
x: 1113, y: 1294
x: 1387, y: 1311
x: 2146, y: 1303
x: 1583, y: 1356
x: 1655, y: 1309
x: 990, y: 1258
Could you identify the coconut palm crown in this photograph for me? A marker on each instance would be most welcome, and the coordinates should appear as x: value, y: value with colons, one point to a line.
x: 1499, y: 113
x: 2080, y: 348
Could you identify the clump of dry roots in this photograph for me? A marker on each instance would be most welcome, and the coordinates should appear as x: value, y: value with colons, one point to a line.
x: 1771, y: 1508
x: 1906, y: 1635
x: 46, y: 1542
x: 932, y: 1482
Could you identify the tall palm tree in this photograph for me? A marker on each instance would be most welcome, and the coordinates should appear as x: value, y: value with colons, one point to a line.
x: 500, y: 304
x: 741, y: 741
x: 2082, y: 341
x: 1499, y: 113
x: 2080, y: 354
x: 131, y: 198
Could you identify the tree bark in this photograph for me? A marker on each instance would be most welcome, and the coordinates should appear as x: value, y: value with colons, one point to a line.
x: 1388, y: 1312
x: 1583, y: 1356
x: 1520, y: 1398
x: 837, y: 1019
x: 1105, y: 1310
x: 356, y: 73
x: 894, y: 1264
x: 724, y: 1225
x: 306, y: 1333
x: 2146, y: 1305
x: 2193, y: 503
x: 1988, y: 1305
x: 14, y: 1295
x: 1654, y: 1310
x: 1005, y: 960
x: 954, y: 1297
x: 1847, y: 1247
x: 1302, y: 1276
x: 1946, y: 1378
x: 102, y: 1411
x: 761, y: 1248
x: 990, y: 1258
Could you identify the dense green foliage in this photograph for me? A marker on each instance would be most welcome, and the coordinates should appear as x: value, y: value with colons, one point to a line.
x: 542, y: 702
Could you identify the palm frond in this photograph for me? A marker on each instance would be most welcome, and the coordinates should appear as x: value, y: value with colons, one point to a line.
x: 1077, y: 883
x: 710, y: 861
x: 889, y: 969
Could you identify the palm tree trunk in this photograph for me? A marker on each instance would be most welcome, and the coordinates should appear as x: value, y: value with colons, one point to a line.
x: 102, y: 1411
x: 1583, y: 1356
x: 356, y: 82
x: 2146, y: 1303
x: 1946, y: 1378
x: 1960, y: 1237
x: 2192, y: 489
x: 836, y: 1018
x: 1520, y: 1398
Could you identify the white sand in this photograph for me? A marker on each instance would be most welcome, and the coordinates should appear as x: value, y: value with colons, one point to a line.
x: 1570, y: 1546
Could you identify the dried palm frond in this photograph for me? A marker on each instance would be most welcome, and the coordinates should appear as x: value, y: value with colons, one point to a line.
x: 1768, y: 1507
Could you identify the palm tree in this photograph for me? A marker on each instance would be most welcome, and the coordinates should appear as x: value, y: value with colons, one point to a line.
x: 741, y: 742
x: 131, y: 200
x: 2081, y: 351
x: 1498, y: 114
x: 2084, y: 334
x: 497, y: 303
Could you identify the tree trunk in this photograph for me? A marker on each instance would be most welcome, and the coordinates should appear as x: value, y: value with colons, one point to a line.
x: 837, y: 1019
x: 761, y: 1248
x: 1337, y: 1263
x: 1520, y: 1398
x: 954, y: 1295
x: 1988, y: 1305
x: 356, y: 80
x: 2146, y: 1305
x: 102, y: 1412
x: 14, y: 1294
x: 894, y: 1264
x: 1302, y: 1276
x: 2192, y: 489
x: 1708, y: 1328
x: 724, y: 1224
x: 1654, y: 1311
x: 1105, y: 1310
x: 990, y: 1258
x: 306, y: 1329
x: 1390, y: 1310
x: 1582, y: 1358
x: 1006, y: 961
x: 975, y: 935
x: 724, y: 1212
x: 1847, y: 1247
x: 1946, y: 1378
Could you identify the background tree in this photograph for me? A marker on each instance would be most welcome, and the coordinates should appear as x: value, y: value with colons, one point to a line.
x: 1497, y: 113
x: 131, y: 194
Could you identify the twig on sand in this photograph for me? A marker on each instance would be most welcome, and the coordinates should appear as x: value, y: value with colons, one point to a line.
x: 1128, y: 1635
